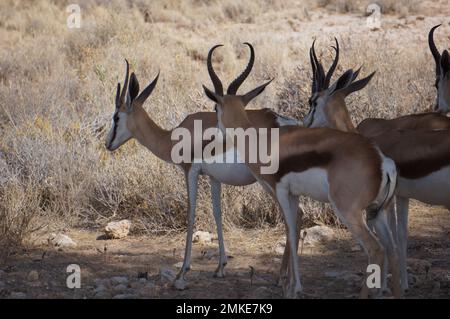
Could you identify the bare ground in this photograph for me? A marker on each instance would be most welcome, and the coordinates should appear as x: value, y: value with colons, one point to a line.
x: 329, y: 270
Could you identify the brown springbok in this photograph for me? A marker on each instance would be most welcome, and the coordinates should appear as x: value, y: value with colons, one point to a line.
x: 422, y: 157
x: 344, y: 169
x: 429, y: 121
x: 130, y: 120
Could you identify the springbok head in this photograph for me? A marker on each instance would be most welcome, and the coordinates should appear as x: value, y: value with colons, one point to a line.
x: 128, y: 110
x: 442, y: 75
x: 327, y: 102
x: 230, y: 107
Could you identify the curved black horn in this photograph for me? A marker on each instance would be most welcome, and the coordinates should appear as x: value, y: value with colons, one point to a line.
x: 125, y: 83
x: 314, y: 70
x: 214, y: 78
x: 234, y: 86
x: 320, y: 77
x: 434, y: 50
x: 333, y: 66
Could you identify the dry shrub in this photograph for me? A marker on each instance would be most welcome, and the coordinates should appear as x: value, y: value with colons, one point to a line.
x: 57, y: 98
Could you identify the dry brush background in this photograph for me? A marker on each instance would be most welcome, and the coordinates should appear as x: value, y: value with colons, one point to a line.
x: 57, y: 97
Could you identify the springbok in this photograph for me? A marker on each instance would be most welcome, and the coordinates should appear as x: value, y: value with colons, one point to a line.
x: 422, y: 157
x: 430, y: 120
x: 344, y: 169
x: 130, y: 120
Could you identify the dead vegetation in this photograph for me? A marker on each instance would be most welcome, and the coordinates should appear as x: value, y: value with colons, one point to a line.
x: 57, y: 89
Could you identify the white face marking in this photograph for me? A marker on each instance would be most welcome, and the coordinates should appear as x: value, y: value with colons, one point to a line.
x: 119, y: 133
x: 219, y: 112
x: 316, y: 116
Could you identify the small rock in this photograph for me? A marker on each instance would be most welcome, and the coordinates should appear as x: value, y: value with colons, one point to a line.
x: 279, y: 248
x: 120, y: 288
x: 202, y: 237
x: 119, y: 280
x: 143, y: 280
x: 178, y: 265
x: 166, y: 274
x: 2, y: 285
x: 33, y: 275
x: 317, y: 234
x: 356, y: 248
x: 61, y: 241
x: 18, y: 295
x: 117, y: 230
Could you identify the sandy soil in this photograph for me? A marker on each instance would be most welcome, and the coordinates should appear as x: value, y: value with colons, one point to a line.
x: 331, y: 269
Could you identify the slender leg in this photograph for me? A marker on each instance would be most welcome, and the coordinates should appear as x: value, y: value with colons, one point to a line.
x: 387, y: 240
x: 290, y: 217
x: 192, y: 186
x: 216, y: 201
x: 402, y: 235
x: 356, y: 224
x: 285, y: 270
x: 392, y: 219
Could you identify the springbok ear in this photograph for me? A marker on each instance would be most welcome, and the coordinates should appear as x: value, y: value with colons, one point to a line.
x: 212, y: 95
x: 133, y: 88
x: 344, y: 80
x: 118, y: 96
x: 445, y: 63
x: 146, y: 92
x: 246, y: 98
x: 356, y: 86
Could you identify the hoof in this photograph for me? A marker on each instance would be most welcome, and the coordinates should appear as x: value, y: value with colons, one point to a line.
x: 219, y: 274
x: 180, y: 284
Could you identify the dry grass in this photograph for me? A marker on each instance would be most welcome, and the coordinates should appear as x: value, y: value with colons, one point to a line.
x: 57, y: 90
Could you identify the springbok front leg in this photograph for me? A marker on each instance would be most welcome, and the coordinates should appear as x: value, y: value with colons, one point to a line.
x: 192, y: 187
x: 402, y: 237
x: 216, y: 191
x: 292, y: 287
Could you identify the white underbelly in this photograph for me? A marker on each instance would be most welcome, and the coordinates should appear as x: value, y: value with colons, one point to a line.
x: 312, y: 183
x: 231, y: 174
x: 432, y: 189
x: 229, y: 169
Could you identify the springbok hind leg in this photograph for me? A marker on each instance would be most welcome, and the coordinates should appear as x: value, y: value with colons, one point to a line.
x: 356, y: 224
x: 402, y: 238
x: 192, y: 186
x: 384, y: 234
x: 290, y: 218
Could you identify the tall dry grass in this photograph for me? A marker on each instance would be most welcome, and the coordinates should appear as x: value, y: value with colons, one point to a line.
x: 57, y: 91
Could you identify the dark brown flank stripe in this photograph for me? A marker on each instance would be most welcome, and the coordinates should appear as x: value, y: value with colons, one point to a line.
x: 423, y: 167
x: 302, y: 162
x: 425, y: 152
